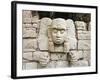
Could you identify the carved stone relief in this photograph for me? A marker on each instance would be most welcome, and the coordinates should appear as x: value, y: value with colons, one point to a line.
x: 53, y: 43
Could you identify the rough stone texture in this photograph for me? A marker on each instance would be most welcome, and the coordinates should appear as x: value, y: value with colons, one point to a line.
x: 27, y: 56
x: 75, y: 55
x: 29, y: 32
x: 27, y: 20
x: 80, y: 63
x: 86, y: 55
x: 51, y: 64
x: 29, y: 44
x: 27, y: 25
x: 43, y: 38
x: 30, y: 65
x: 62, y: 64
x: 80, y: 25
x: 84, y: 44
x: 89, y: 26
x: 58, y: 56
x: 39, y: 50
x: 71, y: 34
x: 84, y: 35
x: 26, y: 14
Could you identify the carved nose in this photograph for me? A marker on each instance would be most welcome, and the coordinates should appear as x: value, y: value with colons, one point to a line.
x: 58, y: 34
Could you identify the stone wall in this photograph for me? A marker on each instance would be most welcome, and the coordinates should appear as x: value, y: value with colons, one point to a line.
x: 35, y: 43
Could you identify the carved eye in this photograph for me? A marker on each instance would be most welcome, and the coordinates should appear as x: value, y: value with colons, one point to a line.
x: 62, y: 31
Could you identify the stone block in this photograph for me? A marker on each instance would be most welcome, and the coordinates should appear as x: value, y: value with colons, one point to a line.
x: 87, y: 55
x: 43, y: 42
x: 71, y: 34
x: 31, y: 65
x: 84, y: 35
x: 29, y: 32
x: 89, y: 26
x: 51, y: 64
x: 27, y: 56
x: 80, y: 25
x: 35, y: 25
x: 80, y: 63
x: 35, y: 19
x: 29, y: 44
x: 27, y: 25
x: 26, y: 13
x: 27, y: 20
x: 75, y: 55
x: 58, y: 56
x: 84, y: 44
x: 61, y: 64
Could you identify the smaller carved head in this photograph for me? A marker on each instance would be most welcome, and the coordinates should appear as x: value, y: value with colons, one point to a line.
x: 58, y: 31
x: 57, y: 34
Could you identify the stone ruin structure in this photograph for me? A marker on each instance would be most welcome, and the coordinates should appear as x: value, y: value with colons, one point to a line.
x: 54, y: 43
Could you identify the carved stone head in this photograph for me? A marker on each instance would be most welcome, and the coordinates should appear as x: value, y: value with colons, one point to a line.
x: 57, y: 35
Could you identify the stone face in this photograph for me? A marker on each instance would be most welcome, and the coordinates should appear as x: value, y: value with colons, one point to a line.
x: 84, y: 35
x: 29, y: 32
x: 80, y: 25
x: 27, y: 55
x: 58, y: 56
x: 29, y: 44
x: 62, y: 64
x: 84, y: 44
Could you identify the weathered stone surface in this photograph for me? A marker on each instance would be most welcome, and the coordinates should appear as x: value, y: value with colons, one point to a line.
x: 58, y: 56
x: 29, y: 32
x: 71, y: 34
x: 51, y: 64
x: 80, y: 63
x: 89, y: 26
x: 27, y: 25
x: 27, y: 20
x: 29, y: 44
x: 26, y: 13
x: 31, y: 65
x: 62, y: 64
x: 23, y: 66
x: 75, y: 55
x: 44, y: 24
x: 42, y: 57
x: 43, y: 38
x: 43, y: 42
x: 35, y: 25
x: 84, y: 44
x: 84, y: 35
x: 27, y: 56
x: 87, y: 55
x: 80, y: 25
x: 35, y: 19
